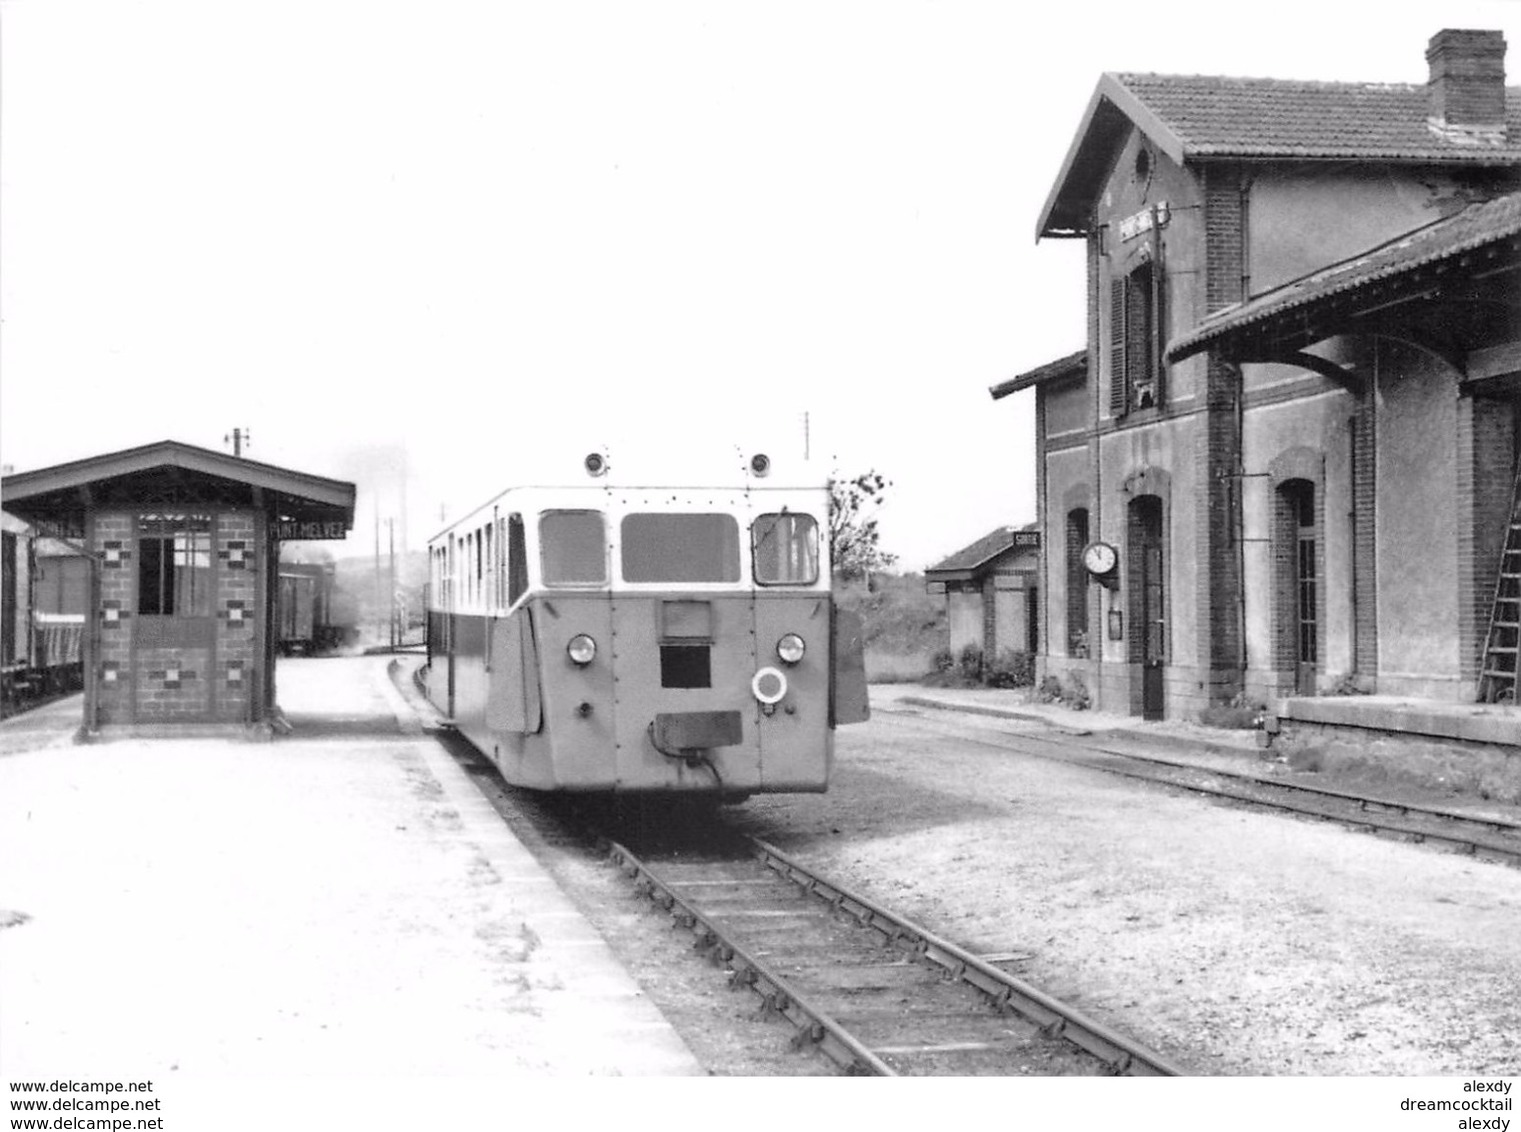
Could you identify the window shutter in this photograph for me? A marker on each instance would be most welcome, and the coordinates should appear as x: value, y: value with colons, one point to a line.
x: 1118, y: 383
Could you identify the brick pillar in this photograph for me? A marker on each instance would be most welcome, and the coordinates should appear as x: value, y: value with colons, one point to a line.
x: 1364, y: 534
x: 1217, y: 502
x: 117, y: 551
x: 1043, y: 518
x: 1097, y: 487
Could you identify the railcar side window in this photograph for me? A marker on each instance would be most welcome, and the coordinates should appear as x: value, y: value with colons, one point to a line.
x: 786, y: 549
x: 174, y: 565
x: 680, y: 548
x: 573, y: 548
x: 517, y: 559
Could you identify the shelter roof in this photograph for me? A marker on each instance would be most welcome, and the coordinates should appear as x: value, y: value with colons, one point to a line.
x: 170, y: 473
x: 972, y: 559
x: 1201, y: 118
x: 1477, y: 227
x: 1073, y: 365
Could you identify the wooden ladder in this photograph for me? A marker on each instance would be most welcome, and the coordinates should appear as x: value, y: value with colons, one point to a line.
x: 1498, y: 671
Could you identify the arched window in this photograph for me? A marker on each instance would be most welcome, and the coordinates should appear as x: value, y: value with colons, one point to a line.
x: 1298, y: 583
x: 1077, y: 583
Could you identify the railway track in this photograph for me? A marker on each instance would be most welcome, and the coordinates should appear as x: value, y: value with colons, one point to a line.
x: 1486, y: 838
x: 872, y: 991
x: 868, y: 989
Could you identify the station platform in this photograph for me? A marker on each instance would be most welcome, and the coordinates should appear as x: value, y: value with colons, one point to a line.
x: 341, y: 901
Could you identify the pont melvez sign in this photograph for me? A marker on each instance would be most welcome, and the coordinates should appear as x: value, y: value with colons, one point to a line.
x: 298, y: 530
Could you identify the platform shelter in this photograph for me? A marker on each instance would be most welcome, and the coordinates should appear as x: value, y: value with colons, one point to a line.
x: 184, y: 543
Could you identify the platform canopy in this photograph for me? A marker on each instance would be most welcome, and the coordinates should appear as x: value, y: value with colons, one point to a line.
x: 171, y: 474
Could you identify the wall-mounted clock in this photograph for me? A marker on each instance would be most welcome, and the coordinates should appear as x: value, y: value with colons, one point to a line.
x: 1100, y: 559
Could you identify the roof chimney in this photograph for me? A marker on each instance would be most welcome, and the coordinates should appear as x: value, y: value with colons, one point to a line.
x: 1467, y: 84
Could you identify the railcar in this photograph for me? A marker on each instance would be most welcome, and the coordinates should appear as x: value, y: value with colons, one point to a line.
x: 309, y: 624
x: 612, y: 636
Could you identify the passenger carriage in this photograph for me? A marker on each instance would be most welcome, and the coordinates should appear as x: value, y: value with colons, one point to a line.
x: 614, y: 636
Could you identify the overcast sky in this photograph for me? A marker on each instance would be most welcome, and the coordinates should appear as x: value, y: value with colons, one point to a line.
x: 468, y: 243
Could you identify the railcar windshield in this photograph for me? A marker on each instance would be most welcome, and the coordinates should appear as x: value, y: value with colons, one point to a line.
x: 680, y: 548
x: 573, y: 548
x: 785, y: 547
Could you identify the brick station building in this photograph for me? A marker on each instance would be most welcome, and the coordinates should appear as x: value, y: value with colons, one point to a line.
x: 184, y: 543
x: 1284, y: 463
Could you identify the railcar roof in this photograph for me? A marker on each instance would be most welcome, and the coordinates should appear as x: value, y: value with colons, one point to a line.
x: 603, y: 495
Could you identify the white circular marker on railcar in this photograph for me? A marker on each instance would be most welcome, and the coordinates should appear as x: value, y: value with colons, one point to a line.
x: 769, y: 685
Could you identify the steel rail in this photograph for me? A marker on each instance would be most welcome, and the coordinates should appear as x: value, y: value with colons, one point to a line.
x: 813, y: 1025
x: 1049, y: 734
x: 1497, y: 824
x: 1470, y: 841
x: 1055, y: 1018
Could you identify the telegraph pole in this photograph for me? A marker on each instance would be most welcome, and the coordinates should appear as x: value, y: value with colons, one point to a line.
x: 395, y: 626
x: 236, y: 438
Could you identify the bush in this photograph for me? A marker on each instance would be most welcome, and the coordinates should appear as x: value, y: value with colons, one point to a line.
x: 943, y: 661
x: 1010, y: 669
x: 1072, y: 694
x: 970, y: 663
x: 1241, y: 714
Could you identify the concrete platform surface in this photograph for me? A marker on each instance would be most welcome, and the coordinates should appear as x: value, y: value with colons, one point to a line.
x: 340, y: 901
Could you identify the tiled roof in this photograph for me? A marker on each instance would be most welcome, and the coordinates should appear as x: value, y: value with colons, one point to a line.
x: 984, y: 550
x: 1473, y: 228
x: 46, y: 492
x: 1229, y: 117
x: 1201, y: 118
x: 1073, y: 365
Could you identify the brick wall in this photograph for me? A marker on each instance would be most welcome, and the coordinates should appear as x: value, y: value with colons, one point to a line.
x: 141, y: 679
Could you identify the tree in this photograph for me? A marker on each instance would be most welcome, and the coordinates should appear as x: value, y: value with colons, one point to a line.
x: 853, y: 533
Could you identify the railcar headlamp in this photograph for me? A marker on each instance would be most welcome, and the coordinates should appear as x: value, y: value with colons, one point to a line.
x: 596, y: 464
x: 791, y: 648
x: 760, y: 464
x: 581, y: 649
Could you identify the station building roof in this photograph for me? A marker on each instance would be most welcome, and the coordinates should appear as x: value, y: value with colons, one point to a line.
x: 1193, y: 118
x: 172, y: 474
x: 1073, y: 365
x: 1480, y: 240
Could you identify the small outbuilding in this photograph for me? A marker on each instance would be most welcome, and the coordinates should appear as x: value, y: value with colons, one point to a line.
x: 990, y: 592
x: 184, y: 547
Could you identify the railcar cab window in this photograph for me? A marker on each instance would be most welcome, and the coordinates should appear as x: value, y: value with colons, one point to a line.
x: 174, y: 565
x: 573, y: 548
x: 785, y: 548
x: 680, y: 548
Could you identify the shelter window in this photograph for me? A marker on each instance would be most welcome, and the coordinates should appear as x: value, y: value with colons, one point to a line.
x: 174, y: 566
x: 785, y: 547
x: 680, y: 548
x: 573, y: 548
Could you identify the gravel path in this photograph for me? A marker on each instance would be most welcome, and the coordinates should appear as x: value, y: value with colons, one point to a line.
x: 1231, y: 941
